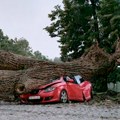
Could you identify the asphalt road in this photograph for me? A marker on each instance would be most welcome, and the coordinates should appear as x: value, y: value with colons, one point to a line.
x: 69, y: 111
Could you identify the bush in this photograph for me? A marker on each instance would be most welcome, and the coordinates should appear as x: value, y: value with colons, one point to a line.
x: 114, y: 76
x: 99, y: 84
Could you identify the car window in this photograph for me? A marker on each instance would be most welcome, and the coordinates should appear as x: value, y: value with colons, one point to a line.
x: 66, y: 78
x: 78, y: 79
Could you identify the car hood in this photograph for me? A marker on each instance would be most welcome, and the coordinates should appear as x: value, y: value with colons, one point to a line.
x: 50, y: 84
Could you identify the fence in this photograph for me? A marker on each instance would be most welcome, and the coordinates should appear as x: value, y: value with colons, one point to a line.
x: 114, y: 86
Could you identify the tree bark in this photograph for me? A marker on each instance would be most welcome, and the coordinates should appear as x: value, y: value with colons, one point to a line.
x: 20, y: 74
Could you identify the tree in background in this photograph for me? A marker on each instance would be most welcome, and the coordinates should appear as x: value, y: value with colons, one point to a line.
x: 5, y: 43
x: 19, y: 46
x: 38, y: 55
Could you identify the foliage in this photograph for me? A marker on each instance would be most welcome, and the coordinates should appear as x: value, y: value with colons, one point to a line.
x: 5, y: 43
x: 94, y: 20
x: 109, y: 23
x: 38, y: 55
x: 19, y: 46
x: 81, y: 22
x: 72, y: 25
x: 114, y: 76
x: 99, y: 84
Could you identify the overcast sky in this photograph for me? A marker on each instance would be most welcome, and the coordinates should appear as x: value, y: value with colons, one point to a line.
x: 27, y: 18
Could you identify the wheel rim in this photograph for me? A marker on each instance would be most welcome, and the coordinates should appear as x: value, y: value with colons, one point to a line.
x: 63, y: 96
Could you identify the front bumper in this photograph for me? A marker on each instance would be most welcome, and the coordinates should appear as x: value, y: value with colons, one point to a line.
x: 45, y: 97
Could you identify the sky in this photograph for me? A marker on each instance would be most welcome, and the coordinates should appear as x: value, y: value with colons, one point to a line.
x: 27, y: 18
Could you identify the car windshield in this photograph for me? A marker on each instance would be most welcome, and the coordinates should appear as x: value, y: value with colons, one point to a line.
x: 78, y: 79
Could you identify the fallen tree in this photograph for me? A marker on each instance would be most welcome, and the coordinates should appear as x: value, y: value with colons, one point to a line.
x: 20, y: 74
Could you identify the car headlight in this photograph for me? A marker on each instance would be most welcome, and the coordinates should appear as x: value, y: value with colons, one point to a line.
x: 49, y: 89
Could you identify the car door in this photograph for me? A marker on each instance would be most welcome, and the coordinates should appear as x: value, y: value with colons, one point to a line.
x: 74, y: 91
x: 87, y: 89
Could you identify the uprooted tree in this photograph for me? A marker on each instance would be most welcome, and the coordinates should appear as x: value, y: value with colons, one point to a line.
x: 20, y: 74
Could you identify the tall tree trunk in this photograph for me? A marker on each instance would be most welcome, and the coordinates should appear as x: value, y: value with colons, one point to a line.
x: 96, y: 29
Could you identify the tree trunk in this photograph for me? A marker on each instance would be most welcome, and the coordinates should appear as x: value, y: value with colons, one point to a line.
x: 20, y: 74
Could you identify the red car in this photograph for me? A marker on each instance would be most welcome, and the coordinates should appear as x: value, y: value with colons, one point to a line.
x: 63, y: 90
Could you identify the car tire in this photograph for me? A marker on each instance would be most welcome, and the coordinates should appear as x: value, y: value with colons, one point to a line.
x: 63, y: 96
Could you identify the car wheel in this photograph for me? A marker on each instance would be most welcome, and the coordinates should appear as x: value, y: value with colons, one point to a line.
x: 63, y: 96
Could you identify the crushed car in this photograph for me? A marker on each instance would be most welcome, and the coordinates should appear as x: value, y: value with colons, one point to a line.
x: 63, y: 89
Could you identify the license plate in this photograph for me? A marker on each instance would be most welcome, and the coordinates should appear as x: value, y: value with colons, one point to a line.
x: 34, y: 97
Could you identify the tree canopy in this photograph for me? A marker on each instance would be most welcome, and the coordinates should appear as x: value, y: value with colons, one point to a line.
x: 71, y: 25
x: 19, y: 46
x: 109, y: 23
x: 82, y: 22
